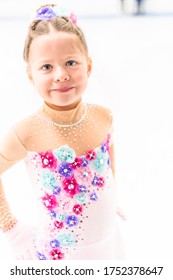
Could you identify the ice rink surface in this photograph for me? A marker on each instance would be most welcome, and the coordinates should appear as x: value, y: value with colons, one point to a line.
x: 132, y: 74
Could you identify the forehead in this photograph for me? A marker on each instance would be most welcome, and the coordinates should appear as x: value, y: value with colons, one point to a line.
x: 56, y: 42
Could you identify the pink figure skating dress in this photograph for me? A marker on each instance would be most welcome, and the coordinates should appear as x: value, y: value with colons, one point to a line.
x: 71, y: 168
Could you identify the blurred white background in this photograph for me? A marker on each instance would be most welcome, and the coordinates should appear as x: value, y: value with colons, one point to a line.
x: 132, y: 74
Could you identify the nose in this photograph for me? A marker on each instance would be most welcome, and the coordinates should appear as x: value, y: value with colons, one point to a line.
x: 61, y: 75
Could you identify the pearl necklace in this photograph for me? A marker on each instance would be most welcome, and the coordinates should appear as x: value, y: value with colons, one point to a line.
x: 65, y: 125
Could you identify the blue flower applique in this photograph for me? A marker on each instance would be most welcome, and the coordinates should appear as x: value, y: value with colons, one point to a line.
x: 48, y: 180
x: 100, y: 163
x: 64, y: 153
x: 81, y: 198
x: 66, y: 239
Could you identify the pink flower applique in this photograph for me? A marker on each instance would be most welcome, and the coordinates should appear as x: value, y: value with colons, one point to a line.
x: 56, y: 254
x: 58, y: 224
x: 90, y: 155
x: 77, y: 163
x: 48, y: 160
x: 84, y: 175
x: 49, y: 201
x: 108, y: 142
x: 77, y: 209
x: 70, y: 186
x: 98, y: 181
x: 101, y: 182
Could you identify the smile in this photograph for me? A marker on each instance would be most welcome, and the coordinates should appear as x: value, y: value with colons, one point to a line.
x: 62, y: 90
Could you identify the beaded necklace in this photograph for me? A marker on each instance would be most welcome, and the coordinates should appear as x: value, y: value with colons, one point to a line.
x: 51, y: 123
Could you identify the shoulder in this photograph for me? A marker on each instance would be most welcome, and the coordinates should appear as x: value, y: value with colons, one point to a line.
x: 12, y: 147
x: 101, y: 111
x: 22, y: 126
x: 25, y: 128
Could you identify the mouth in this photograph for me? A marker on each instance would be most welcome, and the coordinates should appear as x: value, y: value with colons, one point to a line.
x: 62, y: 90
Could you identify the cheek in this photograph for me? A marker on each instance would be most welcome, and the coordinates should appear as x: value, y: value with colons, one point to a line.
x: 39, y: 81
x: 81, y: 76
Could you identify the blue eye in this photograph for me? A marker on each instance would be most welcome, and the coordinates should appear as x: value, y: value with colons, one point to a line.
x: 71, y: 63
x: 46, y: 67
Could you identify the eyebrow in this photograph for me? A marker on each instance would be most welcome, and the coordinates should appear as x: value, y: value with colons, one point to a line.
x: 46, y: 60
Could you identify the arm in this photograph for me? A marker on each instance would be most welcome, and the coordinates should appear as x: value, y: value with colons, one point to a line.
x: 18, y: 235
x: 7, y: 220
x: 11, y: 151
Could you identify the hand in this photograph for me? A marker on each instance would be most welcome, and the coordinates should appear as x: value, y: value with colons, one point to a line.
x: 20, y: 239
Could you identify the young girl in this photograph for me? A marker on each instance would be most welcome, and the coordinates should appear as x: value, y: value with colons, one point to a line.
x: 68, y: 150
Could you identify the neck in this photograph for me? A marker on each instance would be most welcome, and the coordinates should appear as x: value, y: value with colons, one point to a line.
x: 64, y: 115
x: 63, y: 108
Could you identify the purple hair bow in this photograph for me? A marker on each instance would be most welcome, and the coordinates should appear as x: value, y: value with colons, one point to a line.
x: 47, y: 13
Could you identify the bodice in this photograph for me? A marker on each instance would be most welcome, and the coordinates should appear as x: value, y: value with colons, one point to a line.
x: 76, y: 200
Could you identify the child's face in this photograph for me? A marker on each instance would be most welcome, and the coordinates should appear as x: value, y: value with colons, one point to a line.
x: 59, y: 68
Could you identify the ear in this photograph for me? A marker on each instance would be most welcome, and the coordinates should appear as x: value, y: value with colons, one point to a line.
x: 28, y: 70
x: 89, y: 66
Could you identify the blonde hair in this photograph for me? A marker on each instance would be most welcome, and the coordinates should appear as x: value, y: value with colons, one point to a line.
x: 41, y: 27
